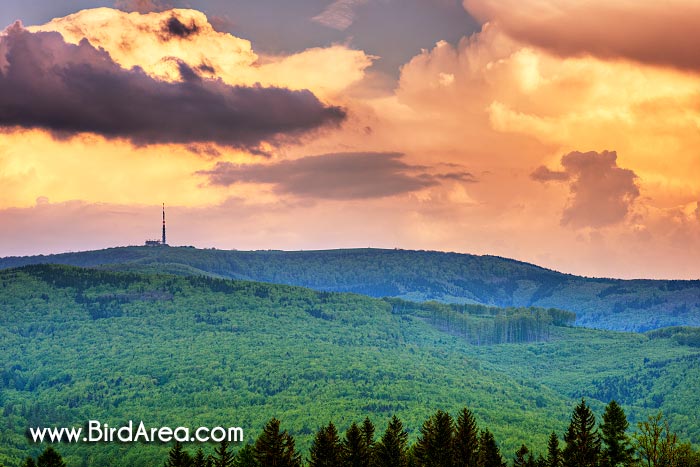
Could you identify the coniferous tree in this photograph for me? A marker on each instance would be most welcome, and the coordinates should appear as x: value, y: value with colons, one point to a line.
x: 466, y: 440
x: 521, y: 457
x: 553, y: 451
x: 392, y: 449
x: 355, y: 452
x: 223, y: 457
x: 245, y: 457
x: 489, y: 454
x: 276, y: 449
x: 50, y: 458
x: 326, y: 450
x: 368, y: 433
x: 582, y: 441
x: 199, y: 459
x: 435, y: 444
x: 29, y: 462
x: 618, y: 450
x: 178, y: 457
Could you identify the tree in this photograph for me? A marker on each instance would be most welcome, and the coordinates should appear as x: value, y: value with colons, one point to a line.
x: 199, y: 459
x: 618, y: 450
x: 489, y: 454
x: 276, y: 449
x: 553, y: 451
x: 326, y: 450
x: 521, y: 456
x: 50, y: 458
x: 582, y: 441
x: 178, y: 457
x: 245, y: 457
x: 355, y: 452
x: 466, y: 440
x: 392, y: 449
x: 368, y: 433
x: 655, y: 444
x: 435, y: 444
x: 29, y: 462
x: 222, y: 456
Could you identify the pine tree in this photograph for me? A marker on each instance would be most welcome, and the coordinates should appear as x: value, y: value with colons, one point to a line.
x: 368, y: 433
x: 245, y: 457
x: 582, y: 441
x: 199, y: 459
x: 276, y: 449
x: 466, y: 440
x: 178, y: 457
x: 29, y: 462
x: 618, y: 450
x: 50, y: 458
x: 489, y: 455
x: 392, y: 449
x: 355, y: 452
x: 326, y: 449
x: 521, y: 457
x: 435, y: 444
x: 553, y: 451
x: 223, y: 457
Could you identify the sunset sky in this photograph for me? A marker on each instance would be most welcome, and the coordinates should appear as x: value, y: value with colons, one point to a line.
x: 564, y: 133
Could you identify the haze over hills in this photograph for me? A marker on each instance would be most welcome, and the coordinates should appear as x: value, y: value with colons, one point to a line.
x: 629, y: 305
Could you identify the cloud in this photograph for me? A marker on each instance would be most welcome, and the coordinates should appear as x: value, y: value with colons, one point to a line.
x: 660, y: 33
x: 544, y: 174
x: 340, y: 14
x: 68, y: 89
x: 339, y: 176
x: 150, y: 41
x: 601, y: 193
x: 174, y: 27
x: 142, y: 6
x: 697, y: 211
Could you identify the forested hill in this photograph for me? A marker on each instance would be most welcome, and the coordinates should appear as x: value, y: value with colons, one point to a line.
x: 79, y: 344
x: 637, y: 305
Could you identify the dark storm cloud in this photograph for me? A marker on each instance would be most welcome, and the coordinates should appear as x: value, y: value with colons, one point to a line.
x: 601, y: 192
x: 337, y: 176
x: 68, y: 89
x: 173, y: 27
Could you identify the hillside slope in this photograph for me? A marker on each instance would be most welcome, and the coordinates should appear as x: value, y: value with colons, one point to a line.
x: 631, y: 305
x: 76, y: 344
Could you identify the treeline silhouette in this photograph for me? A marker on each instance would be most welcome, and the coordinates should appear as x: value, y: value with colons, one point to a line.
x: 446, y: 442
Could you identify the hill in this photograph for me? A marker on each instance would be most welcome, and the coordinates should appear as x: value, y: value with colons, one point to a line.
x: 626, y: 305
x: 78, y: 344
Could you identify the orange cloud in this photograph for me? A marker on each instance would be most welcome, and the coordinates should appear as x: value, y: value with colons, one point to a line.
x: 601, y: 192
x: 151, y: 41
x: 657, y: 33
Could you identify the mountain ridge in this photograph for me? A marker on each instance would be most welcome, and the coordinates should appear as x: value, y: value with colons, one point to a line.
x: 418, y: 275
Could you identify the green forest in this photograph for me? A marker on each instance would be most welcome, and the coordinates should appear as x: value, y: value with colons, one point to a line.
x: 622, y: 305
x: 443, y: 441
x: 176, y: 350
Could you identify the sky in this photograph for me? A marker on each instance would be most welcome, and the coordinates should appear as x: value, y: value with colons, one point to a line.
x: 563, y: 133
